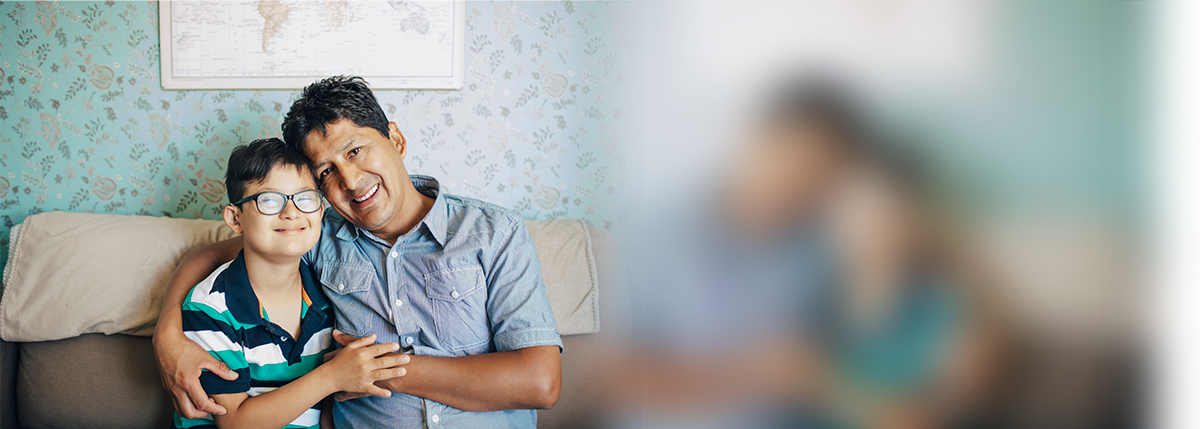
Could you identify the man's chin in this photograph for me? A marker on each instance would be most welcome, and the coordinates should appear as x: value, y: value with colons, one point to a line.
x: 370, y: 221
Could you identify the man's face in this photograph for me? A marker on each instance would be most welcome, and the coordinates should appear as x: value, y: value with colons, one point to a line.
x: 288, y: 234
x: 360, y: 171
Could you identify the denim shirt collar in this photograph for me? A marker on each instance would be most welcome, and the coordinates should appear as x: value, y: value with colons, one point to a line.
x: 435, y: 221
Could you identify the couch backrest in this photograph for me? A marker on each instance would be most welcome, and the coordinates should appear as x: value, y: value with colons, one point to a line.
x: 75, y: 273
x: 38, y: 390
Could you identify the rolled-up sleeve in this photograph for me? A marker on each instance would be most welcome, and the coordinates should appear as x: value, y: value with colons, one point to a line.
x: 517, y: 306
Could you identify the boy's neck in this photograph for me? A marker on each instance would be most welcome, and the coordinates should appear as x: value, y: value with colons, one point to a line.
x: 272, y: 275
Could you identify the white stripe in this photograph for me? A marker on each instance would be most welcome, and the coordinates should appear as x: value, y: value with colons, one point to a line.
x: 255, y: 391
x: 265, y: 354
x: 318, y: 342
x: 213, y: 341
x: 216, y: 300
x: 310, y: 417
x: 204, y: 293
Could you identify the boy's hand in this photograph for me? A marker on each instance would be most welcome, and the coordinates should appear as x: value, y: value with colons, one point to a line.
x: 180, y: 362
x: 357, y: 366
x: 343, y: 340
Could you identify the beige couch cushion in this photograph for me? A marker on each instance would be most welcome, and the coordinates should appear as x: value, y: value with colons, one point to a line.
x: 564, y: 248
x: 75, y: 273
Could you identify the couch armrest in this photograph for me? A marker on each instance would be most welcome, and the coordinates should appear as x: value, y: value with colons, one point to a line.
x: 9, y: 357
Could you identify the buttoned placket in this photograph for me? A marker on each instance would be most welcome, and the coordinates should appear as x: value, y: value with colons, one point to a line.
x: 401, y: 316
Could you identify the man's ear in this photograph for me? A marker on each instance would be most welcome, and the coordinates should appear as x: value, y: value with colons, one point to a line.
x: 397, y: 139
x: 232, y: 216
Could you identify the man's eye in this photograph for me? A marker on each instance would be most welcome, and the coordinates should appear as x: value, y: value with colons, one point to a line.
x: 324, y: 173
x: 355, y: 151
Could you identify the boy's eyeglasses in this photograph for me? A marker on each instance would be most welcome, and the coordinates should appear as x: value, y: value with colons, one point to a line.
x: 272, y: 203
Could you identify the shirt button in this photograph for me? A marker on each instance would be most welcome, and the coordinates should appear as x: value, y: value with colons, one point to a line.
x: 409, y: 340
x: 341, y: 286
x: 435, y: 418
x: 282, y: 338
x: 454, y: 294
x: 399, y: 303
x: 394, y: 254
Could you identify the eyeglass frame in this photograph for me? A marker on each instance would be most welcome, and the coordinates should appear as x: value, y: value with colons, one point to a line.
x: 286, y: 198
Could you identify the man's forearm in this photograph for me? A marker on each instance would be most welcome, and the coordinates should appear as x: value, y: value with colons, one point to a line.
x: 520, y: 379
x: 193, y: 268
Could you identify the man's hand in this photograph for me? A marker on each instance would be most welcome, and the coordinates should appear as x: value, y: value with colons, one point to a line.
x: 345, y: 340
x: 180, y: 362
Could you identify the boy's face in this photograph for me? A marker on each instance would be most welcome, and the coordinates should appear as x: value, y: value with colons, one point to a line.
x: 288, y: 234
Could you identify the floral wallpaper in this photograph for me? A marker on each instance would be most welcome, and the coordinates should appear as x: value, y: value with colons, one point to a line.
x: 85, y: 125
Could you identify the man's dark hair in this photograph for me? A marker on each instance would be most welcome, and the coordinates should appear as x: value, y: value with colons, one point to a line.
x: 329, y: 100
x: 252, y: 163
x: 825, y: 101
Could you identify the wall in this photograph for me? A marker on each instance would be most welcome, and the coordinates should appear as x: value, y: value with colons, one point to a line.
x: 85, y: 125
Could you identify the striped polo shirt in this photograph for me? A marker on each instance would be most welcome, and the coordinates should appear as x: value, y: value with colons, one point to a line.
x: 224, y: 316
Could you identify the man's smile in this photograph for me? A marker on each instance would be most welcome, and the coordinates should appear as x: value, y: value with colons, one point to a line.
x: 363, y: 199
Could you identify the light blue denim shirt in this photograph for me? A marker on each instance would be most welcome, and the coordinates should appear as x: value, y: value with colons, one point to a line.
x: 464, y: 281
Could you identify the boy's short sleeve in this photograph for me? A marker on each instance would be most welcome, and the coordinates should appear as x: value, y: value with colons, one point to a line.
x: 216, y: 331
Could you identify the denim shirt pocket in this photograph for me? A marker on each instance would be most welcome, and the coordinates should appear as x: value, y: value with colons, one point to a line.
x: 459, y: 299
x: 346, y: 287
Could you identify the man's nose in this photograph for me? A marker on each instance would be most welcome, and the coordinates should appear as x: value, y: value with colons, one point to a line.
x: 351, y: 177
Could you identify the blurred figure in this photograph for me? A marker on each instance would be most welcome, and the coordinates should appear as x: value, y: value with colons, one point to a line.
x: 813, y: 288
x: 914, y: 337
x: 728, y: 300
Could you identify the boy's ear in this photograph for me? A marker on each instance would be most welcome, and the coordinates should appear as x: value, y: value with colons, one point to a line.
x: 397, y: 139
x: 232, y: 216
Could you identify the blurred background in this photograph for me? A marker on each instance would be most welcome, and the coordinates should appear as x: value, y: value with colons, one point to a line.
x: 891, y: 214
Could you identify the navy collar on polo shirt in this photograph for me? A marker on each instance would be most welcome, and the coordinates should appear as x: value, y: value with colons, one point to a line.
x: 243, y: 304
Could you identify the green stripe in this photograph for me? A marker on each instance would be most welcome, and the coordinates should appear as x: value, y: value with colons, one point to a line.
x: 181, y: 422
x: 285, y: 372
x: 224, y: 316
x: 235, y: 360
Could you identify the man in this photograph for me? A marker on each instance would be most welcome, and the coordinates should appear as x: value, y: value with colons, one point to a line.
x: 454, y: 280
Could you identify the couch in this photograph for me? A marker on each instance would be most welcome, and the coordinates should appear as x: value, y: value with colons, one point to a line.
x: 70, y: 358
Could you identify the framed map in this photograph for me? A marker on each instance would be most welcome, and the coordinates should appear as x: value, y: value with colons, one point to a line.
x: 282, y: 44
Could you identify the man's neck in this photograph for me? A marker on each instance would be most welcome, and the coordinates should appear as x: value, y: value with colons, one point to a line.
x: 272, y: 276
x: 416, y: 206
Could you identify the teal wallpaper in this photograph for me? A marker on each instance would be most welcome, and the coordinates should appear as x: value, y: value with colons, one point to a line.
x: 85, y: 125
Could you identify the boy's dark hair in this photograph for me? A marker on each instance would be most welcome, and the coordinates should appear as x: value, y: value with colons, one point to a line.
x: 328, y: 100
x: 252, y: 163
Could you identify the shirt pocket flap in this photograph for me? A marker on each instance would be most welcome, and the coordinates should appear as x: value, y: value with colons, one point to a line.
x: 342, y: 280
x: 453, y: 284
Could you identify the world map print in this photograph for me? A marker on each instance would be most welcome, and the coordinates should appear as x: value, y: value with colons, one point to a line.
x: 285, y: 44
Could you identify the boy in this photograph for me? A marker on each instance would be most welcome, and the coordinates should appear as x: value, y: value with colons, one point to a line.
x: 262, y: 315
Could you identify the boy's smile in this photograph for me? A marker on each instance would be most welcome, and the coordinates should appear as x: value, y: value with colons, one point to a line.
x: 289, y: 234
